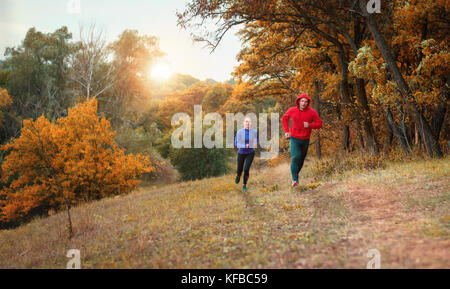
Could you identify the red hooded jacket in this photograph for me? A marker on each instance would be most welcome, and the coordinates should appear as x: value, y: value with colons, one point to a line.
x: 298, y: 129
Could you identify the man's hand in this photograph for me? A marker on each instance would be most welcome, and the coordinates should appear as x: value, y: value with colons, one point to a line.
x: 287, y: 135
x: 306, y: 124
x: 248, y: 145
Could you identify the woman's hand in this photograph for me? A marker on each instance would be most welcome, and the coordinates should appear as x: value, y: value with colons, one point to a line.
x: 287, y: 135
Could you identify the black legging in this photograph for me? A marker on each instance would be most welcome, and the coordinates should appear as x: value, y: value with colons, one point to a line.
x: 247, y: 159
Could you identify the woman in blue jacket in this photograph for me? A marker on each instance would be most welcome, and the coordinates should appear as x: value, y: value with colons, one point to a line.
x: 246, y: 141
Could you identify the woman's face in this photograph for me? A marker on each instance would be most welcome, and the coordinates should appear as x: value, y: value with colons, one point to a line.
x: 247, y: 123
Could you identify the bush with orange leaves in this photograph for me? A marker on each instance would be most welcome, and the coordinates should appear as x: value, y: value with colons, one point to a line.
x: 56, y: 165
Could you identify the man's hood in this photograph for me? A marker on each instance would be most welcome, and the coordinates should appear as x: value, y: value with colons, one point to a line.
x: 303, y: 95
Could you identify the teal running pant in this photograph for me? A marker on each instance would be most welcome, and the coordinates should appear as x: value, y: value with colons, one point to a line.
x: 298, y: 148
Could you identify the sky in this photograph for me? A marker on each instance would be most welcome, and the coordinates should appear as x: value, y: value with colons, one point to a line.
x: 149, y: 17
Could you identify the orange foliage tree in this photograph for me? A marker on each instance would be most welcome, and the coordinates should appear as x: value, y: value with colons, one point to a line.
x: 52, y: 165
x: 5, y: 100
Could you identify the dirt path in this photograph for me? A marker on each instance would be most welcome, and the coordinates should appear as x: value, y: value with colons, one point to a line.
x: 379, y: 217
x: 392, y: 226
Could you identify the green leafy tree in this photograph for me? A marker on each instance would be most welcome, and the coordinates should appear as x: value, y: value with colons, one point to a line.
x: 37, y: 77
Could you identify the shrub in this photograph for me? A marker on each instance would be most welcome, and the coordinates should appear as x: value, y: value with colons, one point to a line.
x: 345, y: 162
x: 194, y: 163
x: 416, y: 153
x: 199, y: 163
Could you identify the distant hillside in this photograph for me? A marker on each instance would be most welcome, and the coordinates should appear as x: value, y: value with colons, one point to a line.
x: 178, y: 82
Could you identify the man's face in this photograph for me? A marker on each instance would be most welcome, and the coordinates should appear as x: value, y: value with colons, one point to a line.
x: 303, y: 103
x: 247, y: 123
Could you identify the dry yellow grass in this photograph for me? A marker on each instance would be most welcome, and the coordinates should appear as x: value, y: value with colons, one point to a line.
x: 399, y: 210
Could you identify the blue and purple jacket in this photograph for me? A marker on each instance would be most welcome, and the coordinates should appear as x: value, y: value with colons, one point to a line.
x: 246, y: 136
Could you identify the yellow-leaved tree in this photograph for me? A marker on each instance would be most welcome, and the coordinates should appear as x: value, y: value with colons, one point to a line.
x: 57, y: 165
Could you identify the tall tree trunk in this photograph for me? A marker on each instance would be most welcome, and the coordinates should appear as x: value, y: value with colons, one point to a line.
x: 345, y: 98
x: 360, y: 136
x: 396, y: 129
x: 439, y: 115
x: 416, y: 135
x: 69, y: 218
x: 317, y: 108
x: 345, y: 145
x: 371, y: 140
x: 402, y: 125
x: 432, y: 146
x: 389, y: 137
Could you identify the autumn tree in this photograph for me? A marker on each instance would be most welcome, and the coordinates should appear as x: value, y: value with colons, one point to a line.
x: 56, y: 165
x: 431, y: 144
x: 211, y: 96
x: 133, y: 56
x: 279, y: 61
x: 123, y: 87
x: 216, y: 95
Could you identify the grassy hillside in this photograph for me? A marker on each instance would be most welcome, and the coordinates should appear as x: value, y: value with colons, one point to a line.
x: 403, y: 211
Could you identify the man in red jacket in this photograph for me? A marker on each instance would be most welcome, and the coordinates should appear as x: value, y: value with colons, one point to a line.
x: 304, y: 119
